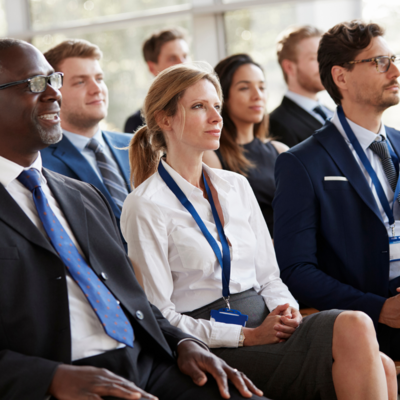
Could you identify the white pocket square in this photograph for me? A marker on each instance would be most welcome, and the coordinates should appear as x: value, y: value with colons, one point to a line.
x: 335, y: 178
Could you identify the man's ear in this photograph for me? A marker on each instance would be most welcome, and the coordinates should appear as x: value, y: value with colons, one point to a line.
x: 153, y: 67
x: 289, y: 67
x: 340, y: 77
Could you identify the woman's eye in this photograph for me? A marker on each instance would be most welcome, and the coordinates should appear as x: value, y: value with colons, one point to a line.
x: 243, y: 88
x: 197, y: 106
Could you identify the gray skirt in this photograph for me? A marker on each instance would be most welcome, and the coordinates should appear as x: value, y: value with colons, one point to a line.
x: 298, y: 369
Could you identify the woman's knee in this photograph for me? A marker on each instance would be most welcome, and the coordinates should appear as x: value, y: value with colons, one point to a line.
x: 355, y: 328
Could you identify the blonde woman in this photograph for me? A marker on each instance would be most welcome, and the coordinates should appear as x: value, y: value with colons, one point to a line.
x: 201, y: 247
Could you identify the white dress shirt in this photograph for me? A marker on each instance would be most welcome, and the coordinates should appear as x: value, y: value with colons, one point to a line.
x: 176, y: 265
x: 87, y: 334
x: 80, y: 142
x: 366, y: 137
x: 308, y: 105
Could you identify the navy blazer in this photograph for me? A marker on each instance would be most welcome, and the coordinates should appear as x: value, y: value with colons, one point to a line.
x: 330, y: 240
x: 64, y: 158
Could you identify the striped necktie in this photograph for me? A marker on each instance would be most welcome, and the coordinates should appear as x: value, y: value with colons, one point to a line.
x: 110, y: 172
x: 110, y: 314
x: 380, y: 148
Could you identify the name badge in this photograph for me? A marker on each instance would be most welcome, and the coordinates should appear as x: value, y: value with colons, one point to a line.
x: 229, y: 316
x: 394, y: 248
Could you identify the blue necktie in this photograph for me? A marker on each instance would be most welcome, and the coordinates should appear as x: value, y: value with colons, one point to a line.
x: 320, y: 111
x: 110, y: 314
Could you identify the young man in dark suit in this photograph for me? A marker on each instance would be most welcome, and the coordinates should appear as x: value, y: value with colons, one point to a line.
x: 161, y: 50
x: 300, y: 112
x: 74, y: 322
x: 86, y: 152
x: 337, y: 216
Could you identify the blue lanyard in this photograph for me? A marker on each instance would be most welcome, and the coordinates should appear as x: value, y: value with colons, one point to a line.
x: 364, y: 159
x: 224, y: 259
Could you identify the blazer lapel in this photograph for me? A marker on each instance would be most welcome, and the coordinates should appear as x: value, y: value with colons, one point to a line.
x: 118, y: 148
x: 71, y: 203
x: 13, y: 215
x: 333, y: 142
x: 70, y: 156
x: 394, y: 138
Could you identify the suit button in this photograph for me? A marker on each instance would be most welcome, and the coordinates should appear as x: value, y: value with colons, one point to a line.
x: 139, y: 314
x: 104, y: 276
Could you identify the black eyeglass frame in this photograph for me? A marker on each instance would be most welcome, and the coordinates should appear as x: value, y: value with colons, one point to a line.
x: 7, y: 85
x: 375, y: 60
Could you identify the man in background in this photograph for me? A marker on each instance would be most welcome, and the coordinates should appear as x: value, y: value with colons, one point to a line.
x: 86, y: 152
x: 161, y: 50
x: 300, y: 113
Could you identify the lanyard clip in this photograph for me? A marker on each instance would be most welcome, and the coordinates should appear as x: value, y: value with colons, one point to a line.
x: 228, y: 306
x: 393, y: 232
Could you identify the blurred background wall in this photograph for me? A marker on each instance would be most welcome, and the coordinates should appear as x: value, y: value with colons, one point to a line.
x: 218, y: 28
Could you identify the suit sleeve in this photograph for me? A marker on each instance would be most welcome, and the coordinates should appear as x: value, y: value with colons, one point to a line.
x: 24, y: 377
x: 297, y: 232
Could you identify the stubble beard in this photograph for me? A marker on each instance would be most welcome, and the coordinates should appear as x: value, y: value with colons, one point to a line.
x: 309, y: 83
x: 380, y: 101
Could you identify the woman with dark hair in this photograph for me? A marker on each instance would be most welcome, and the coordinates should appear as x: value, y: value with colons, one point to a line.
x: 244, y: 146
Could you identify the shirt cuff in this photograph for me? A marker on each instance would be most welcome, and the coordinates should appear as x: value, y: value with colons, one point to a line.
x: 225, y: 335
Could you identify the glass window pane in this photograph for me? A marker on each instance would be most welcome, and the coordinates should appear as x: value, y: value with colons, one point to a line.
x: 126, y: 74
x: 254, y: 31
x: 50, y: 13
x: 3, y: 20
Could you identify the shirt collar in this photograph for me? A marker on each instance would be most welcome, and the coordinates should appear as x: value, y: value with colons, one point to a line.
x: 187, y: 188
x: 364, y: 136
x: 9, y: 170
x: 80, y: 141
x: 304, y: 102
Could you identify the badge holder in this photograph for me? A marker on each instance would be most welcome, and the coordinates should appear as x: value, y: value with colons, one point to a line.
x: 394, y: 247
x: 229, y: 316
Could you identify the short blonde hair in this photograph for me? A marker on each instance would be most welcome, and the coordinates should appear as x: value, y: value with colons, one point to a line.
x: 148, y: 143
x: 72, y: 48
x: 290, y: 38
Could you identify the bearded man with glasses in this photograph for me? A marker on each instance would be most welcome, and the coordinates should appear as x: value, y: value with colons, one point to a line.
x: 337, y: 209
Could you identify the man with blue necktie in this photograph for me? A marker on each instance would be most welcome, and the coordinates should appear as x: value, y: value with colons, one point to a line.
x: 86, y: 152
x: 74, y: 322
x: 337, y: 209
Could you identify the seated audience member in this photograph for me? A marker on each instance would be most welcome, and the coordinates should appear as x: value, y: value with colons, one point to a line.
x: 243, y: 145
x: 336, y: 213
x: 300, y: 113
x: 177, y: 220
x: 71, y: 330
x: 86, y: 152
x: 161, y: 50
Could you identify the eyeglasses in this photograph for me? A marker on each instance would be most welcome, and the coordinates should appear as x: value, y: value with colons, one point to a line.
x: 38, y: 84
x: 382, y: 62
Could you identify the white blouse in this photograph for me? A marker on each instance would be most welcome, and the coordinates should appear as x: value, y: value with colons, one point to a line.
x: 176, y: 265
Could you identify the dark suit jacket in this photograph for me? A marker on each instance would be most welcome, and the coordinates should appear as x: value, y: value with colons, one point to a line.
x: 64, y: 158
x: 34, y: 315
x: 330, y: 240
x: 133, y: 122
x: 291, y: 124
